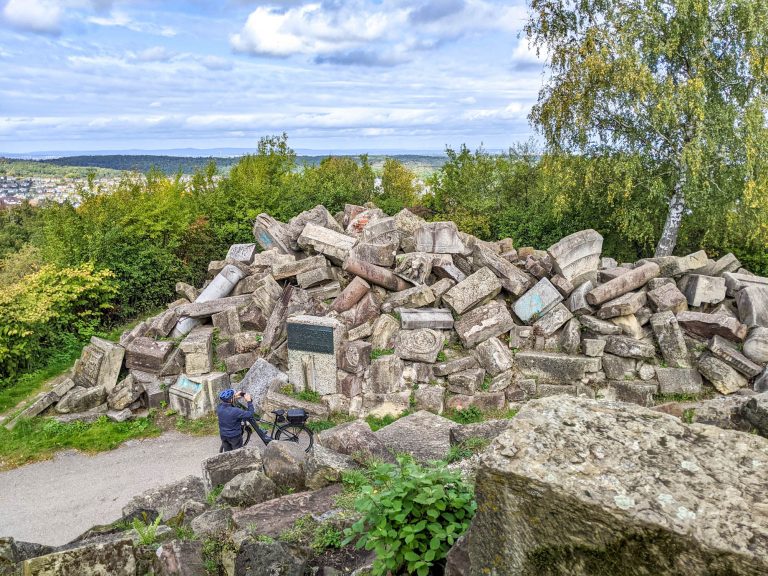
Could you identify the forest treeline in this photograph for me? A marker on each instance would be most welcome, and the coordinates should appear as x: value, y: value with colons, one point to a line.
x: 66, y: 271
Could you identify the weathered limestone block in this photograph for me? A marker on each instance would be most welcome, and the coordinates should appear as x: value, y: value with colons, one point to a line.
x: 221, y: 468
x: 552, y: 320
x: 271, y: 234
x: 708, y: 325
x: 553, y: 368
x: 364, y: 311
x: 700, y: 290
x: 668, y: 297
x: 678, y: 380
x: 618, y: 368
x: 350, y: 385
x: 386, y: 375
x: 125, y: 393
x: 756, y: 345
x: 677, y: 509
x: 80, y: 399
x: 755, y: 411
x: 187, y: 291
x: 351, y: 295
x: 577, y: 301
x: 198, y: 351
x: 670, y: 339
x: 481, y: 400
x: 354, y: 357
x: 415, y: 297
x: 378, y: 254
x: 576, y: 257
x: 313, y: 349
x: 137, y: 331
x: 453, y: 366
x: 290, y: 268
x: 724, y: 378
x: 727, y: 263
x: 430, y: 398
x: 424, y: 435
x: 115, y: 557
x: 735, y: 282
x: 725, y: 351
x: 521, y: 337
x: 570, y: 337
x: 593, y: 348
x: 610, y: 273
x: 147, y: 355
x: 562, y: 284
x: 513, y: 280
x: 266, y: 293
x: 317, y: 216
x: 678, y: 265
x: 438, y: 238
x: 630, y: 326
x: 629, y: 303
x: 246, y: 342
x: 238, y: 362
x: 414, y: 266
x: 492, y: 319
x: 476, y: 290
x: 632, y: 280
x: 197, y: 310
x: 315, y: 277
x: 761, y: 382
x: 494, y: 356
x: 537, y: 301
x: 753, y: 306
x: 421, y: 345
x: 355, y: 439
x: 629, y: 347
x: 381, y: 231
x: 99, y: 364
x: 407, y: 223
x: 435, y: 318
x: 333, y: 245
x: 162, y: 324
x: 227, y: 322
x: 385, y: 329
x: 242, y: 253
x: 375, y: 274
x: 444, y: 266
x: 259, y: 379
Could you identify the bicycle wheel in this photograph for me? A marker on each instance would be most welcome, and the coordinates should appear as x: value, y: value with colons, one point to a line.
x: 297, y: 433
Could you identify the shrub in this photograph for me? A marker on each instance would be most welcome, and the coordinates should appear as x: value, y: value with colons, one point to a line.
x: 411, y: 516
x: 147, y: 532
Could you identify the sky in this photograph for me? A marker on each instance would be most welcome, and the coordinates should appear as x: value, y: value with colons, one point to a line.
x: 333, y: 75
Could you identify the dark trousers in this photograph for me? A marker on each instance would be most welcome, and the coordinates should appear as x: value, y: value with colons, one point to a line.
x: 228, y: 444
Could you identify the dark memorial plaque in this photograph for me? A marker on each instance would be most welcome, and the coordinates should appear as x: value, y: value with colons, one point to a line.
x: 309, y: 338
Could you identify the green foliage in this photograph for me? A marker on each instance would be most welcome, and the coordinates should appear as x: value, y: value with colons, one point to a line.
x: 333, y: 420
x: 378, y: 353
x: 398, y: 187
x: 470, y: 446
x: 305, y: 395
x: 411, y: 516
x: 689, y: 415
x: 38, y: 438
x: 468, y: 415
x: 213, y: 554
x: 46, y: 308
x: 338, y: 180
x: 378, y: 422
x: 147, y: 532
x: 441, y: 357
x: 326, y: 536
x: 205, y: 426
x: 213, y: 495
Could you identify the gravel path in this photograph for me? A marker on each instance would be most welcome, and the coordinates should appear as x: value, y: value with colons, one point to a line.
x: 54, y: 501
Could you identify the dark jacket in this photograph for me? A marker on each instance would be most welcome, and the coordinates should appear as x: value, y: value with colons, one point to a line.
x: 230, y: 417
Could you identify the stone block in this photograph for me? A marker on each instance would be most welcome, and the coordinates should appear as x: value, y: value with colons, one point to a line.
x: 632, y: 280
x: 670, y: 339
x: 724, y: 378
x: 198, y: 351
x: 701, y: 290
x: 618, y: 368
x: 593, y: 348
x: 313, y: 346
x: 415, y: 297
x: 239, y: 362
x: 669, y: 498
x: 678, y: 380
x: 735, y: 282
x: 216, y: 291
x: 453, y: 366
x: 629, y: 303
x: 435, y: 318
x: 438, y: 238
x: 576, y: 257
x: 521, y: 337
x: 114, y: 557
x: 385, y: 329
x: 577, y: 301
x: 494, y: 356
x: 554, y: 368
x: 80, y: 399
x: 333, y: 245
x: 466, y: 382
x: 421, y: 345
x: 708, y: 325
x: 227, y: 322
x: 351, y: 295
x: 386, y: 375
x: 630, y: 326
x: 629, y: 347
x: 485, y: 401
x: 360, y: 332
x: 125, y: 393
x: 445, y: 267
x: 424, y: 435
x: 537, y: 301
x: 552, y: 320
x: 375, y: 274
x: 221, y: 468
x: 725, y: 351
x: 162, y: 324
x: 99, y: 364
x: 570, y: 337
x: 544, y: 390
x: 414, y: 267
x: 635, y: 391
x: 354, y: 357
x: 271, y: 234
x: 492, y: 319
x: 259, y: 379
x: 756, y: 345
x: 290, y: 268
x: 562, y: 284
x: 430, y: 398
x: 513, y: 280
x: 475, y: 290
x: 206, y: 309
x: 242, y: 253
x: 315, y: 277
x: 753, y: 306
x: 667, y: 297
x: 350, y: 385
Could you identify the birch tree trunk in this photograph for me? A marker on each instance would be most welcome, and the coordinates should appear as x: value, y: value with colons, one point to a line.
x: 668, y: 239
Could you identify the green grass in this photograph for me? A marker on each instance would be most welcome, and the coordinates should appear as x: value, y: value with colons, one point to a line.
x: 205, y: 426
x: 332, y: 421
x: 377, y: 422
x: 473, y: 414
x: 38, y: 438
x: 304, y: 395
x: 466, y: 449
x: 379, y: 352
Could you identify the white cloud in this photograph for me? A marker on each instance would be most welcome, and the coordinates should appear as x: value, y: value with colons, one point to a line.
x: 122, y: 20
x: 43, y: 16
x: 153, y: 54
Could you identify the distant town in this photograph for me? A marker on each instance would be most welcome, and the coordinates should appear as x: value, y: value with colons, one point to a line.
x: 38, y: 189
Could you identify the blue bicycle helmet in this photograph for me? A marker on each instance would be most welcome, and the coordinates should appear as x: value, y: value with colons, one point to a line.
x: 227, y: 395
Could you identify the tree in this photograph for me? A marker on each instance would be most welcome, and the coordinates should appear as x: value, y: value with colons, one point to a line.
x: 398, y: 187
x: 677, y: 81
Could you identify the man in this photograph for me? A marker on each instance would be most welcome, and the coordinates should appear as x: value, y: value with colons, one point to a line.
x: 230, y: 417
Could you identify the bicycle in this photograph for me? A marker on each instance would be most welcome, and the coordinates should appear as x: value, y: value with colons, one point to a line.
x: 288, y: 426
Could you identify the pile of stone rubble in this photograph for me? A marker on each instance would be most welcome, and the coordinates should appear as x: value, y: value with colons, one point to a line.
x: 379, y: 313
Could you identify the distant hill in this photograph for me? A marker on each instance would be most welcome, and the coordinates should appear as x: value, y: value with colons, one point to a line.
x: 422, y: 165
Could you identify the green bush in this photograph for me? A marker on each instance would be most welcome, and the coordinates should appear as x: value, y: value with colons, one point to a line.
x: 468, y: 415
x: 147, y: 532
x: 44, y: 307
x: 411, y: 516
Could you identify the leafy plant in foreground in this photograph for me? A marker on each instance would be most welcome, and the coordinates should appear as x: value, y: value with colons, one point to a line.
x: 411, y: 516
